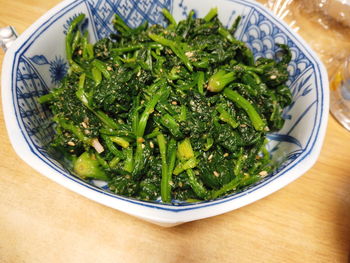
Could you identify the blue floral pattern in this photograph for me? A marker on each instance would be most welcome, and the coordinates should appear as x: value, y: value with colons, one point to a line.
x: 58, y: 69
x: 58, y: 66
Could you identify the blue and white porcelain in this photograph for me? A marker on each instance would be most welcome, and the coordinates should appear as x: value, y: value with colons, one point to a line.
x: 36, y: 62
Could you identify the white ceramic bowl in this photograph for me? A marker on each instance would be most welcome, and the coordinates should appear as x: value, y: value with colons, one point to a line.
x: 36, y: 62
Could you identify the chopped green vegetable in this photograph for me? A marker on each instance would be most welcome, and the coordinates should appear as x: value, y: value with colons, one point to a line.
x: 87, y: 166
x: 168, y: 113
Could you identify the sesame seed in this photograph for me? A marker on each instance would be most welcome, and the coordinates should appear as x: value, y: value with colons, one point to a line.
x: 263, y: 173
x: 243, y: 125
x: 143, y: 146
x: 210, y: 157
x: 84, y: 125
x: 226, y: 154
x: 216, y: 174
x: 174, y: 102
x: 140, y: 139
x: 273, y: 77
x: 189, y: 54
x: 70, y: 143
x: 151, y: 144
x: 109, y: 68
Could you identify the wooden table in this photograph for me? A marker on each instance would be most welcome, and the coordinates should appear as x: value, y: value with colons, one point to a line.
x: 41, y: 221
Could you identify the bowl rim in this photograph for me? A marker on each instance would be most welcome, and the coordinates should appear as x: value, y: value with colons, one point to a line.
x: 159, y: 213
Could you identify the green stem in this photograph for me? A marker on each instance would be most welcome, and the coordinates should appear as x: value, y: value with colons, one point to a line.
x: 200, y: 82
x: 219, y: 80
x: 149, y: 108
x: 83, y: 97
x: 111, y: 147
x: 136, y: 47
x: 171, y: 154
x: 169, y: 16
x: 226, y: 117
x: 196, y: 185
x: 120, y: 141
x: 255, y: 118
x: 169, y: 122
x: 211, y: 14
x: 232, y: 185
x: 129, y: 161
x: 96, y: 75
x: 101, y: 67
x: 69, y: 36
x: 235, y: 25
x: 164, y: 189
x: 184, y: 149
x: 113, y: 163
x: 175, y: 47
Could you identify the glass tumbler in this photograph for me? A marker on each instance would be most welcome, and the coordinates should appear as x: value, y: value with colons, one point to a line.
x: 340, y: 94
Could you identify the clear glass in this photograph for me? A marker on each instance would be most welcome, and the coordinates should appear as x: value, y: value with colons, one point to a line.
x: 340, y: 94
x: 325, y: 25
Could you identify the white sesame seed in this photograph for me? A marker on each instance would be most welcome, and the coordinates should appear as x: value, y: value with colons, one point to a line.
x: 151, y: 144
x: 189, y: 54
x: 210, y: 157
x: 70, y: 143
x: 174, y: 102
x: 263, y: 173
x: 143, y: 146
x: 216, y: 174
x: 226, y: 154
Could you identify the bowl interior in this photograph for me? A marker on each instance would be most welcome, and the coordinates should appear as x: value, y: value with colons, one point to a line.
x: 39, y: 63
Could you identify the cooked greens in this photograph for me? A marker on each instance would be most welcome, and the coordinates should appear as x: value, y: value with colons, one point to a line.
x: 177, y: 113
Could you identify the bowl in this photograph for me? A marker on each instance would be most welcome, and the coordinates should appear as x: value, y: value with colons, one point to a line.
x: 36, y: 62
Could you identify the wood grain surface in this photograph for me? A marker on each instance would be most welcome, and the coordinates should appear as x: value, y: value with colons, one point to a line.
x: 41, y: 221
